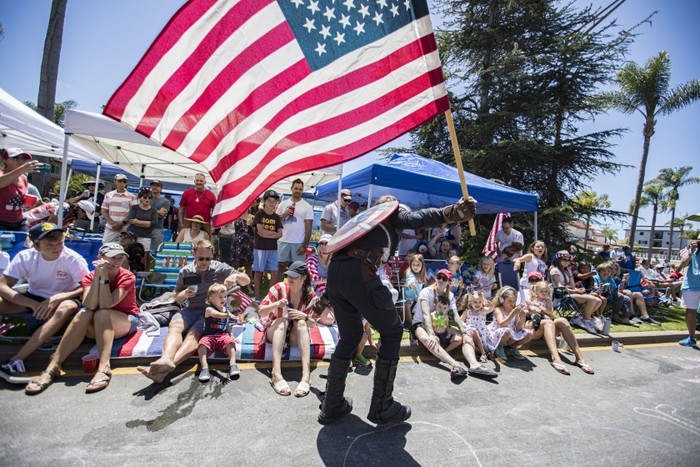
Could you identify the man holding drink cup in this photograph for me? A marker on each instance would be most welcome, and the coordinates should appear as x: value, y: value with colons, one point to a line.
x: 191, y: 289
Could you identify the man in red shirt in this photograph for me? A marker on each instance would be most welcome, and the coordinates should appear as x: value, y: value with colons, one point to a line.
x: 197, y: 201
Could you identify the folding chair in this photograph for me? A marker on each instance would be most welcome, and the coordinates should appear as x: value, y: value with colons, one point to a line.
x: 564, y: 305
x: 507, y: 276
x: 164, y: 275
x: 654, y: 297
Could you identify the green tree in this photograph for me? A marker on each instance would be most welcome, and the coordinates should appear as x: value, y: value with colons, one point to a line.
x: 681, y: 223
x: 610, y: 234
x: 75, y: 185
x: 647, y: 90
x: 673, y: 180
x: 590, y: 205
x: 522, y: 75
x: 59, y: 110
x: 653, y: 195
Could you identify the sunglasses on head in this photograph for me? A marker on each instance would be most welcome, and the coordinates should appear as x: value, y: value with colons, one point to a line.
x: 204, y: 258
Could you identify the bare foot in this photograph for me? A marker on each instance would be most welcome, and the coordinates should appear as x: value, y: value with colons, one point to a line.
x: 158, y: 370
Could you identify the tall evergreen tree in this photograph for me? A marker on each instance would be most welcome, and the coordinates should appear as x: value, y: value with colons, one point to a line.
x: 522, y: 75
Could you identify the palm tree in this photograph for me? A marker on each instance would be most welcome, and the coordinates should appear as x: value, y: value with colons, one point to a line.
x: 672, y: 180
x: 653, y: 195
x: 646, y: 90
x: 610, y: 234
x: 49, y: 62
x: 590, y: 205
x: 682, y: 223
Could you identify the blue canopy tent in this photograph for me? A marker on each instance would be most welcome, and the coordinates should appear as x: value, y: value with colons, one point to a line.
x: 419, y: 182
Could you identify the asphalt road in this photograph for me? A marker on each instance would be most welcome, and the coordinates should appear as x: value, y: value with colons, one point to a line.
x: 640, y: 408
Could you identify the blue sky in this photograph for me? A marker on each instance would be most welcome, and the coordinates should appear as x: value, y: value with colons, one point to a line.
x: 104, y: 39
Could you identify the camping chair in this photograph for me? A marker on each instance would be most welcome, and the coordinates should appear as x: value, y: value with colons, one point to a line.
x: 164, y: 275
x: 564, y: 305
x: 654, y: 297
x: 507, y: 276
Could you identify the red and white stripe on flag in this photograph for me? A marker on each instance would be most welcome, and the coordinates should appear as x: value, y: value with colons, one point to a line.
x: 491, y: 249
x: 259, y: 90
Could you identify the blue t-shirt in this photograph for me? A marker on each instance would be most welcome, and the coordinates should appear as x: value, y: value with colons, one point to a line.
x: 627, y: 261
x: 612, y: 285
x: 691, y: 280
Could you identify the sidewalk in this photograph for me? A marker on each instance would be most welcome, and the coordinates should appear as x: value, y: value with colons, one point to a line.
x: 39, y: 359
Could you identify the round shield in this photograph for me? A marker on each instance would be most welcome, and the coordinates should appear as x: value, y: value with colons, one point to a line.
x: 359, y: 225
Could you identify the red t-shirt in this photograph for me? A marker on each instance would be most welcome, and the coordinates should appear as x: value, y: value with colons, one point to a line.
x: 198, y: 203
x: 125, y: 280
x: 12, y: 200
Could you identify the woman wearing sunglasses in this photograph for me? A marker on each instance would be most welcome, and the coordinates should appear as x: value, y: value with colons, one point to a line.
x: 563, y: 278
x: 142, y: 218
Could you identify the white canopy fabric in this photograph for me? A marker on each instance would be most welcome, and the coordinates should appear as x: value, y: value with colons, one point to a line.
x: 138, y: 155
x: 22, y: 127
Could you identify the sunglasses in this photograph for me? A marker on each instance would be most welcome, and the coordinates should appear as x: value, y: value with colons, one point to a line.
x: 205, y: 258
x: 442, y: 278
x: 120, y: 181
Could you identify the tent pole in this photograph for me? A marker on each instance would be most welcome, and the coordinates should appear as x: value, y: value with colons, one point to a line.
x: 94, y: 196
x: 143, y: 176
x: 64, y: 174
x: 340, y: 188
x: 535, y: 225
x: 369, y: 195
x: 460, y: 169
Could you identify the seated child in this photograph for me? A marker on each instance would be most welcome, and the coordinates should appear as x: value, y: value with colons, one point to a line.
x: 475, y: 318
x: 485, y: 277
x: 455, y: 266
x: 215, y: 336
x: 441, y: 322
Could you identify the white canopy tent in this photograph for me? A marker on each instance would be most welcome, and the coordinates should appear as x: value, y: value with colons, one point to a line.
x: 138, y: 155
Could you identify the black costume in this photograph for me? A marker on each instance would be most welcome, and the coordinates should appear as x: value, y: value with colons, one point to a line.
x: 354, y: 291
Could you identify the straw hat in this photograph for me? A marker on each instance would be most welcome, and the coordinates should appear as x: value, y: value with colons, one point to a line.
x: 196, y: 218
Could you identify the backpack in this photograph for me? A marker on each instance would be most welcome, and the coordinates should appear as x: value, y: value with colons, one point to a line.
x: 162, y: 308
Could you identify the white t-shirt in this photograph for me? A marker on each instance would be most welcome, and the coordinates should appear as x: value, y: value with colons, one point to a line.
x: 563, y: 281
x: 513, y: 237
x: 295, y: 226
x: 330, y: 213
x: 48, y: 278
x: 4, y: 261
x: 428, y: 295
x: 406, y: 244
x: 485, y: 283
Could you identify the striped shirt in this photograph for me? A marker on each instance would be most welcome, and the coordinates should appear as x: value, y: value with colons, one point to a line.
x: 117, y: 205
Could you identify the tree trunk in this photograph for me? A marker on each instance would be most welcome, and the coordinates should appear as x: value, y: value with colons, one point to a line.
x: 648, y: 132
x: 585, y: 235
x: 670, y: 235
x: 653, y: 227
x: 48, y: 78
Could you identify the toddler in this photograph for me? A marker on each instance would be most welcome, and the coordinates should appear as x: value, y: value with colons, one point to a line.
x: 441, y: 321
x: 475, y: 318
x: 215, y: 336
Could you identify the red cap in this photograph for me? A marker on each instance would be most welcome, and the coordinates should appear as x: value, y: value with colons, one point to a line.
x: 445, y: 272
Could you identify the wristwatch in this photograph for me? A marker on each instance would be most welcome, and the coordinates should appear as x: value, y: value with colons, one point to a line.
x: 104, y: 281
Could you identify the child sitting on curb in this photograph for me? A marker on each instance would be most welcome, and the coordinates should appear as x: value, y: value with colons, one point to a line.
x: 215, y: 336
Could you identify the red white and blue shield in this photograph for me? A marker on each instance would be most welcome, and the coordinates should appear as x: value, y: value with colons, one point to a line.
x: 359, y: 225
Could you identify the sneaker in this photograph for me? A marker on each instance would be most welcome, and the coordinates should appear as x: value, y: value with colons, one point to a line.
x: 578, y: 321
x: 204, y: 375
x: 588, y: 326
x: 636, y: 320
x: 233, y: 372
x: 14, y: 372
x: 688, y: 341
x: 481, y: 370
x: 650, y: 320
x: 598, y: 324
x: 515, y: 353
x: 500, y: 354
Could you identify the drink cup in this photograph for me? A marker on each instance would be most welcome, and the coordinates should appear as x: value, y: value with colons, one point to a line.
x: 606, y: 326
x: 194, y: 288
x: 30, y: 200
x: 90, y: 363
x: 616, y: 346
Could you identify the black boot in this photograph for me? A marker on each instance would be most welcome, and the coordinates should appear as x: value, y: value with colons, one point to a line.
x: 384, y: 409
x: 335, y: 405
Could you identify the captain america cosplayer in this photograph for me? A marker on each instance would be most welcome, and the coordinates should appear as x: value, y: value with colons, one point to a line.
x: 354, y: 290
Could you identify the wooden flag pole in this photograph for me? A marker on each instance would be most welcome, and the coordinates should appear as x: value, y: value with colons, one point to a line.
x: 460, y: 168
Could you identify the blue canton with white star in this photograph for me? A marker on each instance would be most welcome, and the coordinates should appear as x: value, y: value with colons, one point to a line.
x: 328, y: 29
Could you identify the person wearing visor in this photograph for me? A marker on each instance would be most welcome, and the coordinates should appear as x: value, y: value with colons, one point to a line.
x: 13, y: 187
x: 359, y: 248
x: 110, y: 312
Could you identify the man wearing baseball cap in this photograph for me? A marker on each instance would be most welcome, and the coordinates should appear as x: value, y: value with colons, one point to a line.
x: 162, y: 206
x: 268, y: 228
x: 115, y: 208
x: 53, y: 273
x: 334, y: 211
x: 14, y: 186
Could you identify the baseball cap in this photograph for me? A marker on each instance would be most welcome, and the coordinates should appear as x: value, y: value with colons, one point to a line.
x: 445, y: 272
x: 127, y: 234
x: 40, y: 231
x: 297, y: 269
x: 346, y: 195
x: 120, y: 177
x: 157, y: 182
x: 15, y: 152
x: 325, y: 238
x: 534, y: 275
x: 271, y: 194
x: 110, y: 250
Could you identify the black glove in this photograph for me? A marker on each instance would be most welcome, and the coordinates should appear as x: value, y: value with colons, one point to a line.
x: 320, y: 305
x: 461, y: 211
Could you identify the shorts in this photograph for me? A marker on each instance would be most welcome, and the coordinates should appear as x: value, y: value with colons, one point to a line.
x: 33, y: 322
x: 264, y: 260
x: 214, y: 342
x: 225, y: 249
x: 691, y: 299
x: 287, y: 252
x: 445, y: 338
x: 194, y: 319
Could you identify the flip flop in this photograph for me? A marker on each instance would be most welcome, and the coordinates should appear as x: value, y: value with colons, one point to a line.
x: 281, y: 387
x: 35, y: 386
x: 560, y: 367
x: 101, y: 383
x: 302, y: 389
x: 586, y: 368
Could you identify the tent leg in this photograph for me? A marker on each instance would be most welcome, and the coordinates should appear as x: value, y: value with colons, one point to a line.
x: 369, y: 196
x: 536, y: 226
x: 64, y: 177
x: 94, y: 196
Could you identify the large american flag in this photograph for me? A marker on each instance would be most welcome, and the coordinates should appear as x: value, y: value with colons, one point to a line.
x: 259, y: 90
x: 491, y: 249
